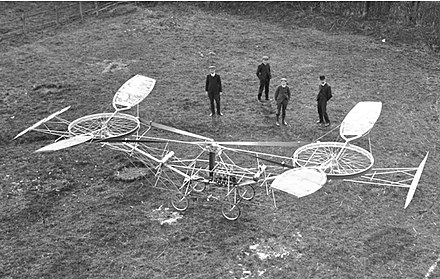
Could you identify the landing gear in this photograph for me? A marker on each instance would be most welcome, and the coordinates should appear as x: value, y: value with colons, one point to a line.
x: 179, y: 201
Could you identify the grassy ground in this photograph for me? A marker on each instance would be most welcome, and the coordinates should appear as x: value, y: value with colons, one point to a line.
x: 64, y: 215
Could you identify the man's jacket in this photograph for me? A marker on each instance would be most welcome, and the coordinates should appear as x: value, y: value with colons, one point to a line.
x: 213, y: 84
x: 325, y: 93
x: 263, y: 72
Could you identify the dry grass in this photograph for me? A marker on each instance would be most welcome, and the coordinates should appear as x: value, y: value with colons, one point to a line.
x: 64, y: 215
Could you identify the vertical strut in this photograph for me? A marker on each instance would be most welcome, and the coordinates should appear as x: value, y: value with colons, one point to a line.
x: 211, y: 164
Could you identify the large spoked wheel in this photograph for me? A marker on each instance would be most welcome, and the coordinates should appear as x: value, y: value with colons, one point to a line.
x: 246, y: 192
x: 336, y: 159
x: 179, y: 201
x: 105, y: 125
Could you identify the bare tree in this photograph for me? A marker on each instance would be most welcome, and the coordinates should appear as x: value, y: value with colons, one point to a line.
x: 366, y: 11
x: 413, y: 12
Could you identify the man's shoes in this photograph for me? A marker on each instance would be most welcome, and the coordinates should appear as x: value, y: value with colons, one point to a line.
x: 221, y: 114
x: 318, y: 122
x: 259, y: 99
x: 211, y: 114
x: 284, y: 123
x: 277, y: 123
x: 327, y: 124
x: 268, y: 100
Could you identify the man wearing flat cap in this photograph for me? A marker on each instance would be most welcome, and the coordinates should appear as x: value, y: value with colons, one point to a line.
x: 264, y: 75
x: 324, y: 94
x: 282, y: 97
x: 213, y: 89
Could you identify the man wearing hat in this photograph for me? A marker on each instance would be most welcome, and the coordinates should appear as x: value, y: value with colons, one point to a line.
x: 324, y: 94
x: 264, y: 75
x: 213, y: 89
x: 282, y: 97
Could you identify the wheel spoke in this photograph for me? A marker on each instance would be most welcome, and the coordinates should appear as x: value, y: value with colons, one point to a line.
x: 335, y: 158
x: 105, y: 125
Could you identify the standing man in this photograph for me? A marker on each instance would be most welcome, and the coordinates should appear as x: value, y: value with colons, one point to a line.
x: 264, y: 75
x: 282, y: 97
x: 325, y: 94
x: 213, y: 89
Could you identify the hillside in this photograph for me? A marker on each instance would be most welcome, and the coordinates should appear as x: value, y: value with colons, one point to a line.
x: 66, y: 215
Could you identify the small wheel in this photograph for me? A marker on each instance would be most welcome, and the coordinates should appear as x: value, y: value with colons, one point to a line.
x: 246, y: 192
x: 231, y: 211
x: 199, y: 186
x: 179, y: 201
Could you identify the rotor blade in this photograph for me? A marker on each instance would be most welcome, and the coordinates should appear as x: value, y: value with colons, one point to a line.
x: 300, y: 182
x: 178, y: 131
x: 66, y: 143
x: 41, y: 122
x: 360, y: 120
x: 132, y: 92
x: 415, y: 181
x: 261, y: 143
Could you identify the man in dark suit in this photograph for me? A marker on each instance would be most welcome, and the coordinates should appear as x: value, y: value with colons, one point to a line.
x: 213, y: 89
x: 282, y: 97
x: 324, y: 94
x: 264, y: 75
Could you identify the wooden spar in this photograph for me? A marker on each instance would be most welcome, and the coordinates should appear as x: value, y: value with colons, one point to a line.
x: 159, y: 161
x: 178, y: 131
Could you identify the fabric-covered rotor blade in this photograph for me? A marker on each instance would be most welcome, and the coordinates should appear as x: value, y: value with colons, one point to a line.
x: 66, y: 143
x: 415, y: 182
x: 41, y: 122
x: 360, y: 120
x: 178, y: 131
x: 132, y: 92
x: 300, y: 182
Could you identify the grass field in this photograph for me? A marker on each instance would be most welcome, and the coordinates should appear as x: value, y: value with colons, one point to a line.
x: 65, y: 215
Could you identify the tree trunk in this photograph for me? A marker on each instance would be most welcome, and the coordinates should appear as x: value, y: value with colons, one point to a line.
x: 414, y: 11
x: 366, y: 11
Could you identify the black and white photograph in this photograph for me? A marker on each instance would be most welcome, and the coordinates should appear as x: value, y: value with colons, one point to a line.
x: 220, y: 139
